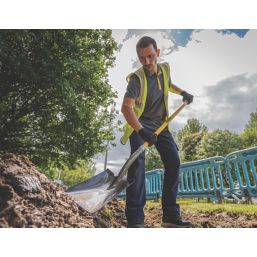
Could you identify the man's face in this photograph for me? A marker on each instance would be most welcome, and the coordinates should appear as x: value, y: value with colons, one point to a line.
x: 148, y: 58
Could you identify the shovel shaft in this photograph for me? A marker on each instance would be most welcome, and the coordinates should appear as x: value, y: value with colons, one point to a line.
x: 166, y: 122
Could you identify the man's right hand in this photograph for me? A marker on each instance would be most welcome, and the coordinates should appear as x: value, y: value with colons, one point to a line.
x: 148, y: 136
x: 187, y: 97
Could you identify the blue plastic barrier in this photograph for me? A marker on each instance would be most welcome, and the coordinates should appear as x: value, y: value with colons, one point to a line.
x: 216, y: 177
x: 241, y: 168
x: 154, y: 184
x: 202, y: 178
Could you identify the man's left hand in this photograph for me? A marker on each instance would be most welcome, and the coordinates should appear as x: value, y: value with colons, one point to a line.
x: 187, y: 97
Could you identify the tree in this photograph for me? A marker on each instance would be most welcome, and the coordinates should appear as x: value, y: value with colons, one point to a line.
x: 218, y: 143
x: 188, y: 146
x: 70, y: 175
x: 189, y: 138
x: 249, y: 135
x: 193, y: 126
x: 54, y: 93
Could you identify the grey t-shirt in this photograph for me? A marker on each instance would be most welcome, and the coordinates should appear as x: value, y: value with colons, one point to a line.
x: 154, y: 113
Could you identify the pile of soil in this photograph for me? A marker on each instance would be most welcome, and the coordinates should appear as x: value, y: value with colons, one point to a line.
x: 29, y: 199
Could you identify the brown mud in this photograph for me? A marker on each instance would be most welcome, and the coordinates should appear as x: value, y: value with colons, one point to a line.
x: 29, y: 199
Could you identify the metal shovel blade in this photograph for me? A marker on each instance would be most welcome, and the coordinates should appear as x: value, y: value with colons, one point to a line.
x: 95, y: 192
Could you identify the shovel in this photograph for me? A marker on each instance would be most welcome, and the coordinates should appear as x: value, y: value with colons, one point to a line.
x: 97, y: 191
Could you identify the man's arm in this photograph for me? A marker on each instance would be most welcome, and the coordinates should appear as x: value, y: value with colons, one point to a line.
x: 131, y: 118
x: 175, y: 89
x: 129, y: 113
x: 186, y: 96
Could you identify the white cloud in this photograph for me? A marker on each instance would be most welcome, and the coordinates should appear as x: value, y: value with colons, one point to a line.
x: 230, y: 102
x: 216, y: 57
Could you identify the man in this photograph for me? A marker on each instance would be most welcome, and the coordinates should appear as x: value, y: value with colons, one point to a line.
x: 145, y: 107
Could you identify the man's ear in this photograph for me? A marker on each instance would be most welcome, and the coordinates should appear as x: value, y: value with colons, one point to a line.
x: 158, y: 51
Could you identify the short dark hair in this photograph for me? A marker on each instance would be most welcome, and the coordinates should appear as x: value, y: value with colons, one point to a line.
x: 145, y: 42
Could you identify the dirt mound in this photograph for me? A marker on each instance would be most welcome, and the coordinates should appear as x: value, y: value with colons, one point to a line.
x: 29, y: 199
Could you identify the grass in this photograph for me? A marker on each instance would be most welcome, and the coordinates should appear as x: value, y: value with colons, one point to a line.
x: 205, y: 207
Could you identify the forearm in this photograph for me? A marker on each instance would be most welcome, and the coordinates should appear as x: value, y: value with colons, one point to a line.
x: 131, y: 117
x: 175, y: 89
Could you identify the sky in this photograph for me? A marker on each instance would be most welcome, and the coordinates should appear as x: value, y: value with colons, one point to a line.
x: 219, y: 67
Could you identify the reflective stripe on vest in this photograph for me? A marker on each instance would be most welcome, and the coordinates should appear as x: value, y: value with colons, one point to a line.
x: 141, y: 100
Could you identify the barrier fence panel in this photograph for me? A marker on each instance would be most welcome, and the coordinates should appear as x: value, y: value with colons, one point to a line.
x: 202, y: 178
x: 242, y: 166
x: 154, y: 185
x: 216, y: 177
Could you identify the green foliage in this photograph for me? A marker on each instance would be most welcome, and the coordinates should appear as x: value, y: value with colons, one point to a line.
x: 82, y: 170
x: 188, y: 146
x: 218, y: 142
x: 253, y: 120
x: 249, y: 135
x: 189, y: 138
x: 193, y: 126
x: 55, y: 93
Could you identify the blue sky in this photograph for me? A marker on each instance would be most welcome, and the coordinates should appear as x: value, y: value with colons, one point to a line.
x: 181, y: 37
x: 219, y: 67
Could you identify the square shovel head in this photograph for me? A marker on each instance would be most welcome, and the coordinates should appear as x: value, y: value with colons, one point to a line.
x: 95, y: 192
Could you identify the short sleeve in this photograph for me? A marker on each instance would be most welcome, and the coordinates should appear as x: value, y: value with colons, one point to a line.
x: 133, y: 88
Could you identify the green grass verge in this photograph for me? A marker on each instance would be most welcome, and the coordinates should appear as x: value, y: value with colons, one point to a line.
x: 204, y: 207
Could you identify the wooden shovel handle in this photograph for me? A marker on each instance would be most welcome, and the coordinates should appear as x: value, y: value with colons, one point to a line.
x: 166, y: 122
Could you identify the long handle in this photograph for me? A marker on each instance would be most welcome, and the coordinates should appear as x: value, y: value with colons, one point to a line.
x: 166, y: 122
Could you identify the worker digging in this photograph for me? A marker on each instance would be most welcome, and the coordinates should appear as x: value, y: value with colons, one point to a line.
x: 145, y: 107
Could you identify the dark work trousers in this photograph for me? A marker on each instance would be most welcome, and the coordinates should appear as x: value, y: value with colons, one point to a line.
x: 136, y: 194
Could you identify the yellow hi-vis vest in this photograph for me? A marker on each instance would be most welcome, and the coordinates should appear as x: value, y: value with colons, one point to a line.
x: 139, y: 105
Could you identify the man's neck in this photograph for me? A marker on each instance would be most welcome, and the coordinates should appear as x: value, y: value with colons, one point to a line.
x: 155, y: 71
